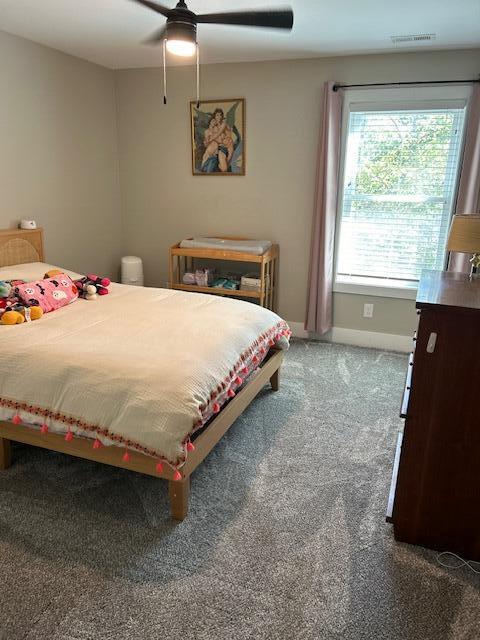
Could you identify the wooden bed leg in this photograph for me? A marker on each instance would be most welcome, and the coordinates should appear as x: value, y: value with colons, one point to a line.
x: 179, y: 493
x: 275, y: 380
x: 5, y: 454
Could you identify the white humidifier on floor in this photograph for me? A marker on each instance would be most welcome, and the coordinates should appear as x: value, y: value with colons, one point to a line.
x: 132, y: 271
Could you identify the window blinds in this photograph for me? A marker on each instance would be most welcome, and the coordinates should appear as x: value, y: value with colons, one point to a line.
x: 400, y: 177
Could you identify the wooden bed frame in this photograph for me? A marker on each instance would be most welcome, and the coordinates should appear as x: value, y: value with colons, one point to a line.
x: 20, y: 246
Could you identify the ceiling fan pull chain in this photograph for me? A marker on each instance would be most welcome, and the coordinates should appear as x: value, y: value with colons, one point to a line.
x: 164, y: 72
x: 198, y: 75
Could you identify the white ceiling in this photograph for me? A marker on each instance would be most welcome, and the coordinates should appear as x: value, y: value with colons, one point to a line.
x: 109, y: 32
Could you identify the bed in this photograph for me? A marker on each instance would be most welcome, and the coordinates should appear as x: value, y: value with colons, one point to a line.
x: 143, y: 379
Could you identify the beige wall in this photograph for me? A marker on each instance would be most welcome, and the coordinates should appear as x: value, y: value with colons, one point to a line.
x: 162, y: 202
x: 58, y: 162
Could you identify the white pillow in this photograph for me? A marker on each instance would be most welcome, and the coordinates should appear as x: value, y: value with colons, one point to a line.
x: 32, y: 271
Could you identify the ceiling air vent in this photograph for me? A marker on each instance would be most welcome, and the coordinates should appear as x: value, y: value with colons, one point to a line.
x: 416, y: 37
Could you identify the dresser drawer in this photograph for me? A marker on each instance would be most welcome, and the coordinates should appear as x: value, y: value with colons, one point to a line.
x: 406, y: 390
x: 393, y: 483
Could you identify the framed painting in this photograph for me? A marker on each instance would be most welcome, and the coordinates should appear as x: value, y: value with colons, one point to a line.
x: 218, y: 137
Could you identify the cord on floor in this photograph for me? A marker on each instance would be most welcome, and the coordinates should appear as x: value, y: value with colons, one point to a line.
x: 461, y: 562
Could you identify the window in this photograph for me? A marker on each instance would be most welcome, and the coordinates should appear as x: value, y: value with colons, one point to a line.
x: 400, y: 167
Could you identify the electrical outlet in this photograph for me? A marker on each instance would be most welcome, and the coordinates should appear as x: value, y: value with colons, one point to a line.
x: 368, y: 310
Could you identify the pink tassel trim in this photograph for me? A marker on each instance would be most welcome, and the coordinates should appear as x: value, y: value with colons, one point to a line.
x: 190, y: 446
x: 126, y: 457
x: 16, y: 419
x: 69, y: 436
x: 247, y: 362
x: 159, y: 469
x: 44, y: 429
x: 97, y: 444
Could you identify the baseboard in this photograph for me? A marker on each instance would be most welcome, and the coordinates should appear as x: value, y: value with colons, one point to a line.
x: 374, y: 339
x: 298, y: 330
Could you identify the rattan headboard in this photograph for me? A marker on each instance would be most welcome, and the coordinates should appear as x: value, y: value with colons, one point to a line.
x: 20, y: 245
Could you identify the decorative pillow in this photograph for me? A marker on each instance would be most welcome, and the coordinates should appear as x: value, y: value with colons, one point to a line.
x: 49, y: 294
x: 29, y: 271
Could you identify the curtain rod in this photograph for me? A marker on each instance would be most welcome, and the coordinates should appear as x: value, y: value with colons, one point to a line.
x: 336, y: 87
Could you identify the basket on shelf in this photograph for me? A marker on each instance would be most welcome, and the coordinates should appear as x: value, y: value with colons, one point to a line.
x: 250, y: 282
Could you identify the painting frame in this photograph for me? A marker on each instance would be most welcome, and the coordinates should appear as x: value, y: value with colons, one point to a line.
x: 197, y: 131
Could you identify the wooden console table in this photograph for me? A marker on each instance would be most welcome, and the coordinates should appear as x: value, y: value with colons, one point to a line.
x: 435, y: 493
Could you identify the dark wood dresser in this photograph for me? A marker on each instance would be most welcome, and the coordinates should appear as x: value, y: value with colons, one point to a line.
x: 435, y: 493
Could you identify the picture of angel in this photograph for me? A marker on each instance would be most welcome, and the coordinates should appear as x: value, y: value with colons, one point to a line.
x: 218, y: 137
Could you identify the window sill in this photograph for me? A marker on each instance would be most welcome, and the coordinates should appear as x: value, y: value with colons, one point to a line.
x: 376, y: 287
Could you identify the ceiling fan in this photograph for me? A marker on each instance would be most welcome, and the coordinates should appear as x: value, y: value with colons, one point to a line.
x: 179, y: 34
x: 180, y: 31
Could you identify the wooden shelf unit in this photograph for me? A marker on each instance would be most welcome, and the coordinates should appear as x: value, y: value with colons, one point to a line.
x: 181, y: 259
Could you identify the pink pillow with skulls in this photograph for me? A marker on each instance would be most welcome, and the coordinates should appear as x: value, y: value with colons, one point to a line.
x: 50, y: 294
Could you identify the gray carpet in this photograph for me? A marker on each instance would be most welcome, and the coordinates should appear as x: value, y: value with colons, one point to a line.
x: 285, y: 537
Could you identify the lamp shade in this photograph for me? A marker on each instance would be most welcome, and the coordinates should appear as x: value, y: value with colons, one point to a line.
x: 464, y: 235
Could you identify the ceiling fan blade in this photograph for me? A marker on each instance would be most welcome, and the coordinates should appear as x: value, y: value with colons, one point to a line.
x: 155, y: 7
x: 157, y: 36
x: 274, y: 19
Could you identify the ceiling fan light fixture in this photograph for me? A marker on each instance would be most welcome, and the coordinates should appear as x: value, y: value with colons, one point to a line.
x: 183, y: 48
x: 181, y: 37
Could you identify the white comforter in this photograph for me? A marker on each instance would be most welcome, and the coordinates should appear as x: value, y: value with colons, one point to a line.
x: 141, y: 368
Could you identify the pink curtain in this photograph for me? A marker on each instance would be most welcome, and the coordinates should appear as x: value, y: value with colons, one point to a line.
x: 320, y: 279
x: 468, y: 198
